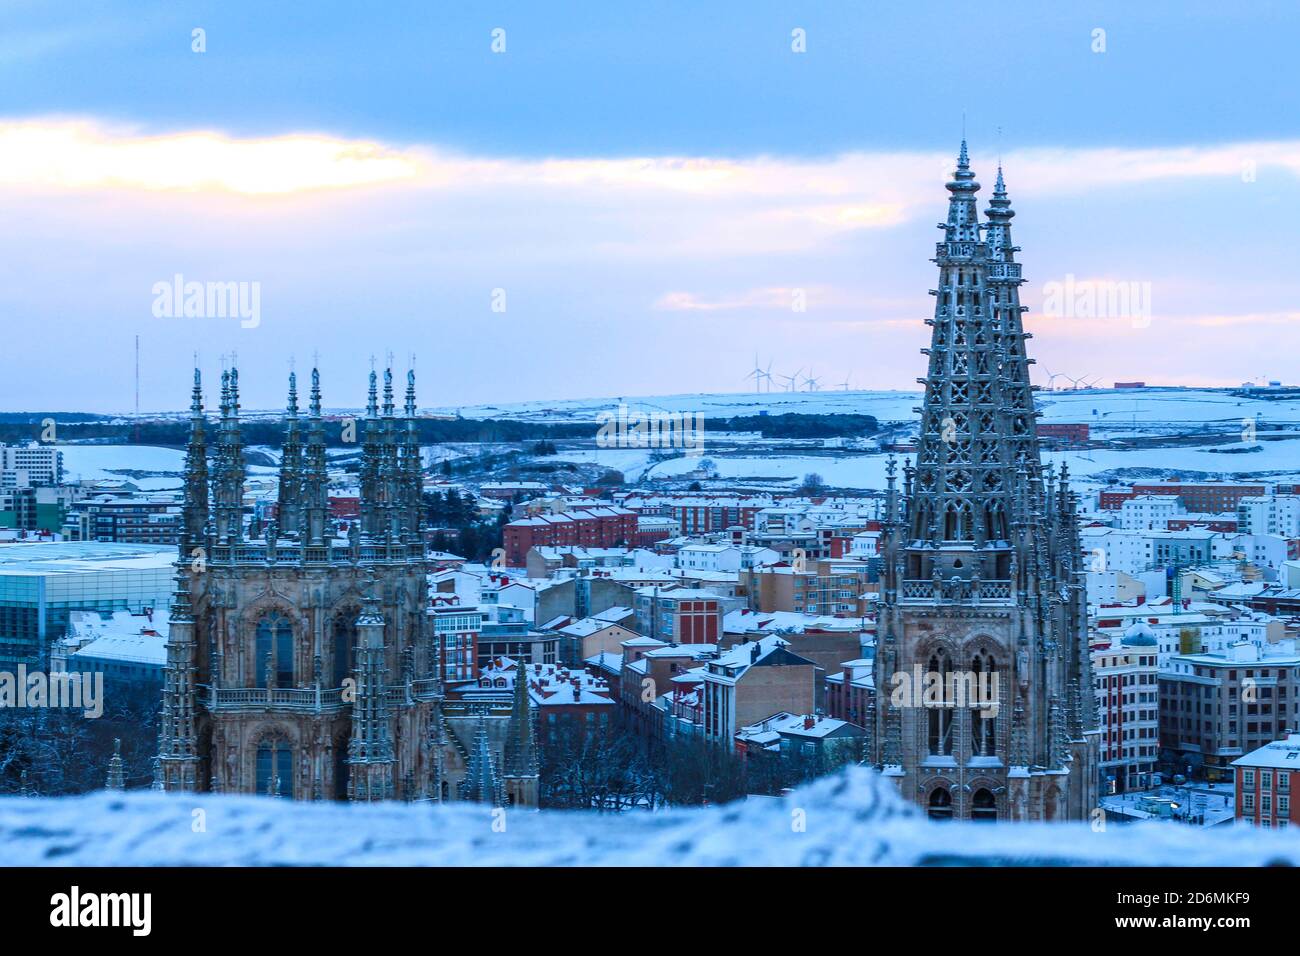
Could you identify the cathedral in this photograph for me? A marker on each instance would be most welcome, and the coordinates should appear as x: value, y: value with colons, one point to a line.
x: 301, y: 662
x: 982, y: 596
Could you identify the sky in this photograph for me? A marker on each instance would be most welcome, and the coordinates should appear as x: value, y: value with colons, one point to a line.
x: 563, y: 200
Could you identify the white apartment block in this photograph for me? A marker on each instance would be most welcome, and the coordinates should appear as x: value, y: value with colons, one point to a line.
x: 1269, y: 514
x: 1115, y: 549
x: 724, y: 557
x: 22, y: 466
x: 1262, y: 550
x: 1149, y: 512
x: 865, y: 544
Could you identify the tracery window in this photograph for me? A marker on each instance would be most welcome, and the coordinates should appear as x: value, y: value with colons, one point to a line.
x: 274, y: 648
x: 939, y: 714
x: 274, y: 768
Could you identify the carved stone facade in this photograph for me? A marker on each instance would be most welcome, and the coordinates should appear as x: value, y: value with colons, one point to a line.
x: 301, y: 661
x: 982, y: 647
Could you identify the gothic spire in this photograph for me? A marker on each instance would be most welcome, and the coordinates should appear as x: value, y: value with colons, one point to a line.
x: 370, y: 750
x: 1004, y: 286
x: 481, y: 783
x: 289, y: 506
x: 195, y: 506
x: 178, y: 763
x: 964, y: 484
x: 372, y: 453
x: 411, y: 465
x: 520, y: 754
x: 963, y: 216
x: 116, y: 772
x: 228, y: 480
x: 314, y: 501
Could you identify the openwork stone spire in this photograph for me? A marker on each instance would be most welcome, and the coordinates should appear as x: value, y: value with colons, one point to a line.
x: 520, y: 757
x: 370, y: 751
x: 371, y: 454
x: 964, y: 482
x: 1004, y: 281
x: 289, y: 503
x: 195, y: 506
x: 980, y: 557
x: 482, y: 784
x: 314, y: 488
x: 228, y: 476
x: 412, y: 482
x: 178, y: 752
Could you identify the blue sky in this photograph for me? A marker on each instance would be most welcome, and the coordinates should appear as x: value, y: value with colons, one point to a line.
x: 650, y: 184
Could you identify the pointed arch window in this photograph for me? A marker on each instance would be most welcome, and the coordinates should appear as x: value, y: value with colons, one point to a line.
x: 940, y: 714
x: 940, y: 804
x: 274, y: 768
x: 957, y: 521
x: 342, y: 770
x: 984, y: 806
x: 274, y: 651
x: 344, y: 645
x: 985, y: 706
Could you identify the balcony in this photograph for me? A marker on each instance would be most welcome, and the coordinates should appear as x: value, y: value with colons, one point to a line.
x: 957, y: 590
x: 256, y: 552
x: 298, y: 700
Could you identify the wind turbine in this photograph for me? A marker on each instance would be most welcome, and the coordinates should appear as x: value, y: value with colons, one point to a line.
x: 756, y: 375
x: 810, y: 382
x: 1051, y: 378
x: 845, y: 384
x: 790, y: 380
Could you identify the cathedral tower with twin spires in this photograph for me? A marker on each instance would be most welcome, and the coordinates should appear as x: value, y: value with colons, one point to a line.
x: 984, y: 707
x: 301, y: 660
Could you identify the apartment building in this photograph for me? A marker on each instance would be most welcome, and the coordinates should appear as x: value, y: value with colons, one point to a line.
x: 1126, y: 685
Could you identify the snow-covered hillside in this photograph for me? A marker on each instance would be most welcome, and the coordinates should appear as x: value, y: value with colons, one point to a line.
x: 1118, y: 408
x: 854, y: 818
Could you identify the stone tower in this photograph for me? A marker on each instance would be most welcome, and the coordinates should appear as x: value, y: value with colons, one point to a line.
x: 983, y: 690
x: 301, y: 662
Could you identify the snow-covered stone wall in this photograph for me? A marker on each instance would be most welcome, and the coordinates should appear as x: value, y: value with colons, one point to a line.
x: 850, y: 819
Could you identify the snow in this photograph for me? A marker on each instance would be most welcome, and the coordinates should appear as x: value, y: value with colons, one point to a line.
x: 1116, y: 407
x: 1112, y: 414
x: 852, y: 819
x: 164, y: 467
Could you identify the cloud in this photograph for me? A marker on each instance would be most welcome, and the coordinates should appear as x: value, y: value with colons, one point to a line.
x: 398, y: 245
x: 774, y: 298
x: 79, y: 155
x: 857, y: 190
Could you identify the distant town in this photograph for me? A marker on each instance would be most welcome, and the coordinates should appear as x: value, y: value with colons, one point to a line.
x: 649, y: 612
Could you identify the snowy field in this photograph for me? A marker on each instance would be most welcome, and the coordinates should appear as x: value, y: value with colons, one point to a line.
x: 148, y: 467
x: 1117, y: 408
x: 1112, y: 414
x: 853, y: 819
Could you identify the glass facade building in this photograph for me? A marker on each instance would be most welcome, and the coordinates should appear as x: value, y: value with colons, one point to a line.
x: 41, y: 582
